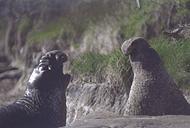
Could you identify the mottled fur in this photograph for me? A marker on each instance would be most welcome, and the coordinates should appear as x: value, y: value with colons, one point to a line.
x: 153, y: 91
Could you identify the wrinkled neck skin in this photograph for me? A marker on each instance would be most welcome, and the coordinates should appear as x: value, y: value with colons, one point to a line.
x: 145, y: 61
x: 36, y: 109
x: 48, y: 105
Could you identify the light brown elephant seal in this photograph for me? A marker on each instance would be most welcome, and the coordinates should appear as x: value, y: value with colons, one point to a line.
x: 153, y: 91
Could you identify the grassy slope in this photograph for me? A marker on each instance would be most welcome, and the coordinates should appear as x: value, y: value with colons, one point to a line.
x: 131, y: 21
x: 176, y: 58
x: 175, y: 54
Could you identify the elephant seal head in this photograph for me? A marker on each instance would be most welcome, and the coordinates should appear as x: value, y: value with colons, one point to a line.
x: 153, y: 91
x: 49, y: 71
x: 48, y: 83
x: 133, y: 44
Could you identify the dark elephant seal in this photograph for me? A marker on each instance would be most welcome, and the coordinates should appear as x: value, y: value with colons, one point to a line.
x: 153, y: 91
x: 44, y: 102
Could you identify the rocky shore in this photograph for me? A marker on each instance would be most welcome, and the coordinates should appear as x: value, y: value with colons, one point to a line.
x: 105, y: 120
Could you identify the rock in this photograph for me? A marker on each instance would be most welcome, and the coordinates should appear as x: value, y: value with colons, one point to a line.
x: 102, y: 38
x: 9, y: 76
x: 12, y: 74
x: 180, y: 32
x: 113, y: 121
x: 84, y: 99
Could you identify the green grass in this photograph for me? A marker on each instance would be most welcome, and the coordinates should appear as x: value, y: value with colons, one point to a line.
x: 137, y: 18
x: 52, y: 30
x: 182, y: 1
x: 113, y: 68
x: 118, y: 61
x: 182, y: 10
x: 176, y: 57
x: 24, y: 24
x: 90, y: 63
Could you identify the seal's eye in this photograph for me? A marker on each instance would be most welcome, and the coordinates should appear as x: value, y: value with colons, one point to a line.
x: 63, y: 58
x: 49, y: 55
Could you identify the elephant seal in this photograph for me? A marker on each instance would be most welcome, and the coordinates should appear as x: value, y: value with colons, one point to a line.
x: 153, y: 91
x: 44, y: 102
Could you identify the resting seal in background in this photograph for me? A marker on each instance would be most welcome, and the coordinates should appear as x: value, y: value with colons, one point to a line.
x: 153, y: 91
x: 44, y: 102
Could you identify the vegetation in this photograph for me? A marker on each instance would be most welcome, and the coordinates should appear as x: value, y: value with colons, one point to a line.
x: 137, y: 18
x: 114, y: 66
x: 176, y: 57
x: 91, y: 63
x: 52, y: 23
x: 24, y: 23
x: 50, y: 32
x: 174, y: 54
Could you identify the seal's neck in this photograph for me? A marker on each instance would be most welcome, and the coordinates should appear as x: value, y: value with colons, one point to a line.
x: 54, y: 106
x: 145, y: 60
x: 50, y: 106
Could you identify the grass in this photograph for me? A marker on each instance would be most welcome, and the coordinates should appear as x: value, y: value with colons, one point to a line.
x: 182, y: 10
x: 91, y: 63
x: 176, y: 57
x: 52, y: 30
x: 118, y: 61
x: 114, y: 66
x: 136, y: 19
x: 24, y: 24
x: 182, y: 1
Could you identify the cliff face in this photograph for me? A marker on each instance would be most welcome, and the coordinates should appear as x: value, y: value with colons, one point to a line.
x: 102, y: 79
x: 87, y: 98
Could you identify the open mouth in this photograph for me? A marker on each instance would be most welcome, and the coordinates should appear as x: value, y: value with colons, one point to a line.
x: 45, y: 68
x: 44, y: 64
